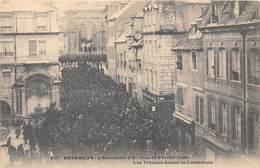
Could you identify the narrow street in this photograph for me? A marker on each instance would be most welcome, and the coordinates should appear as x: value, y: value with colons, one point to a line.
x: 129, y: 77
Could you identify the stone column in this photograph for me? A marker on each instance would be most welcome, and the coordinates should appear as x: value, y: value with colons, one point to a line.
x: 24, y: 102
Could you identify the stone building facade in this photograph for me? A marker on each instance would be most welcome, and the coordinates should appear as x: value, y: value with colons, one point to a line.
x: 164, y: 24
x: 189, y: 99
x: 129, y: 53
x: 231, y: 61
x: 200, y: 54
x: 28, y: 61
x: 118, y: 15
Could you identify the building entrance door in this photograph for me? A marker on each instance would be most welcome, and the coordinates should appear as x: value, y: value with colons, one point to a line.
x: 38, y: 93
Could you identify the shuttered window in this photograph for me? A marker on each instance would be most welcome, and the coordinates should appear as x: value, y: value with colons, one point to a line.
x: 179, y: 60
x: 41, y: 21
x: 32, y: 48
x: 6, y: 22
x: 235, y: 65
x: 222, y: 72
x: 222, y: 117
x: 194, y: 60
x: 179, y: 96
x: 199, y: 109
x: 211, y: 113
x: 211, y: 63
x: 254, y: 66
x: 234, y: 113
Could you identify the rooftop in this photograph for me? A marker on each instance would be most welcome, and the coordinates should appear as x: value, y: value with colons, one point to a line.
x: 25, y: 6
x: 227, y: 14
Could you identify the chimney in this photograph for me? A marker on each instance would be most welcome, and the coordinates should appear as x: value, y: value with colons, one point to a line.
x: 236, y: 8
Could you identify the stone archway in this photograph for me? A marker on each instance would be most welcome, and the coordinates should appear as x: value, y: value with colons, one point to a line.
x: 5, y: 110
x: 38, y: 93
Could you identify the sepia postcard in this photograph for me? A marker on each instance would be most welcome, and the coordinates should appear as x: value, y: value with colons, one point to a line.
x: 129, y: 83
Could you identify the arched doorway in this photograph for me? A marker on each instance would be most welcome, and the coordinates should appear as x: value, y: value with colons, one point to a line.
x: 38, y: 93
x: 5, y: 111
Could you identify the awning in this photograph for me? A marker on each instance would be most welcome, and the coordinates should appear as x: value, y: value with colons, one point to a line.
x: 183, y: 117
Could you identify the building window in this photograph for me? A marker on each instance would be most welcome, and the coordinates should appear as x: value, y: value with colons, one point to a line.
x: 7, y: 77
x: 121, y: 60
x: 139, y: 64
x: 147, y: 77
x: 179, y: 60
x: 32, y: 48
x: 211, y: 63
x: 152, y: 80
x: 212, y: 113
x: 155, y: 80
x: 202, y: 9
x: 222, y: 66
x: 234, y: 122
x: 6, y: 48
x: 41, y: 21
x: 6, y: 23
x: 179, y: 94
x: 199, y: 109
x: 42, y: 47
x: 254, y: 66
x: 235, y: 65
x: 222, y: 117
x: 253, y: 131
x: 125, y: 60
x: 194, y: 60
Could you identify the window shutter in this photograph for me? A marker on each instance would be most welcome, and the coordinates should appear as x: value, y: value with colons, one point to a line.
x: 220, y: 117
x: 201, y: 111
x: 32, y: 47
x: 197, y: 106
x: 209, y: 113
x: 233, y: 122
x: 181, y: 96
x: 217, y: 62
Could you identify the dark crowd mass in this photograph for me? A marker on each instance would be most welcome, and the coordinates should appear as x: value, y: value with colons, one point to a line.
x: 97, y: 117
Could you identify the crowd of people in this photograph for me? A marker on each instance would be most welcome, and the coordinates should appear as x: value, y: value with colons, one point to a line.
x: 97, y: 116
x: 23, y: 147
